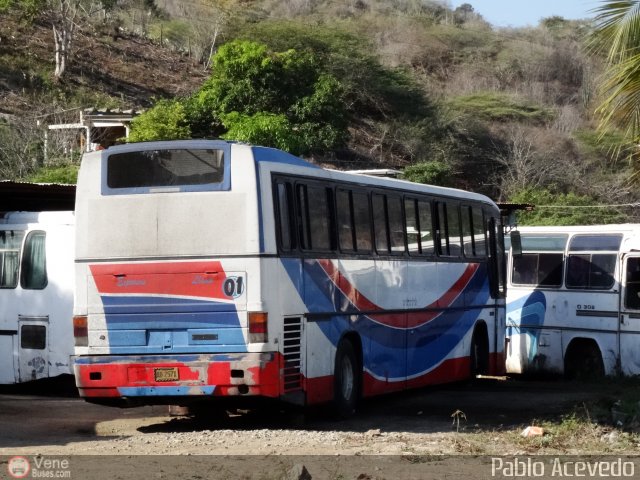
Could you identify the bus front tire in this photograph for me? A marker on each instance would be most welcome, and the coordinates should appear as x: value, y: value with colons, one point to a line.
x: 346, y: 380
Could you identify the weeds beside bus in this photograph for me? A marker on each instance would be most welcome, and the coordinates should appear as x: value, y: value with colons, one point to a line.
x: 573, y: 301
x: 213, y: 270
x: 36, y: 295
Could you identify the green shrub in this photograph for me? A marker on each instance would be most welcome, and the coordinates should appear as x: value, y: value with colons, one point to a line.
x: 501, y: 108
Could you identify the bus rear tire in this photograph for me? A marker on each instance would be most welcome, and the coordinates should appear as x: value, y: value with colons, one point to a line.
x: 346, y: 380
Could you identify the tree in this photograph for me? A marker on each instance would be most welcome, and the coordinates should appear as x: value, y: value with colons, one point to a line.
x: 63, y: 16
x: 617, y: 34
x: 167, y: 120
x: 279, y: 99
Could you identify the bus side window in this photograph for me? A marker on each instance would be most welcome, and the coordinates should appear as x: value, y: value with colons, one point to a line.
x: 426, y: 228
x: 442, y: 238
x: 632, y: 293
x: 413, y: 233
x: 479, y: 238
x: 362, y: 220
x: 304, y: 229
x: 344, y: 207
x: 396, y: 229
x: 453, y: 230
x: 380, y: 224
x: 10, y: 244
x: 591, y: 271
x: 284, y: 217
x: 319, y: 217
x: 34, y: 262
x: 467, y: 232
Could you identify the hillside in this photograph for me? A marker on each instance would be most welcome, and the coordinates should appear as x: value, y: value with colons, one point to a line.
x: 110, y: 68
x: 436, y: 91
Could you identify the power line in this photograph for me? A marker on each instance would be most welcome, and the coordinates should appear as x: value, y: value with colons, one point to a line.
x: 637, y: 204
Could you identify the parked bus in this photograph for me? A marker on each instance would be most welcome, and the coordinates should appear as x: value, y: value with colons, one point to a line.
x: 36, y: 295
x: 573, y: 304
x: 214, y: 269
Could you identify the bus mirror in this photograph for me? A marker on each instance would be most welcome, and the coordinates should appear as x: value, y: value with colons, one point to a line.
x: 516, y: 243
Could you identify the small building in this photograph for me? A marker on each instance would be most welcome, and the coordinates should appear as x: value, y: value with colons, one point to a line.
x: 97, y: 128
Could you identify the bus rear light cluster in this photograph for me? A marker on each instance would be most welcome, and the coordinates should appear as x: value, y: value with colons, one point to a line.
x: 258, y: 327
x: 80, y: 331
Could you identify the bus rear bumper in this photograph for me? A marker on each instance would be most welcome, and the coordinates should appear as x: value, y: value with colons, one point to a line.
x: 235, y: 374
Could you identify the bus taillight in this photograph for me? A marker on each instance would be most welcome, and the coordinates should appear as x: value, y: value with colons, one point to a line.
x: 258, y: 327
x: 80, y: 331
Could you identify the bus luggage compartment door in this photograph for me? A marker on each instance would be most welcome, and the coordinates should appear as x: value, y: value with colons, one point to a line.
x: 33, y: 354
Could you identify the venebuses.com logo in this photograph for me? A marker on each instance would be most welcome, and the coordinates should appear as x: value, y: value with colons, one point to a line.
x: 38, y: 467
x: 18, y: 467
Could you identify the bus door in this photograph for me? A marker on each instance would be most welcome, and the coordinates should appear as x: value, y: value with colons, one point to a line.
x: 629, y: 329
x: 33, y: 354
x: 10, y: 248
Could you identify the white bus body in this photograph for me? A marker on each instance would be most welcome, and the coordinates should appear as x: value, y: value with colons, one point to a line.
x: 36, y: 295
x: 192, y: 287
x: 572, y: 302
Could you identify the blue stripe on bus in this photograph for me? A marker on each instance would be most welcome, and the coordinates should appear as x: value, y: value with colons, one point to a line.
x: 146, y: 325
x: 529, y: 310
x: 140, y: 304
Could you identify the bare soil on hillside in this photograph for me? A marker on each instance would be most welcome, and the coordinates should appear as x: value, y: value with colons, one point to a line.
x: 124, y: 66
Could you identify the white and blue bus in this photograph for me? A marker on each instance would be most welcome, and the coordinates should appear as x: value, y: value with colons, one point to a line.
x: 573, y: 304
x: 36, y: 295
x: 214, y: 269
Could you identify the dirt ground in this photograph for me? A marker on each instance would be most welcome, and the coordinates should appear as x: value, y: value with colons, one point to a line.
x: 406, y: 428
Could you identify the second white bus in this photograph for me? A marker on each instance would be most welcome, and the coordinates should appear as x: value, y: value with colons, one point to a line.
x: 573, y: 303
x: 36, y: 295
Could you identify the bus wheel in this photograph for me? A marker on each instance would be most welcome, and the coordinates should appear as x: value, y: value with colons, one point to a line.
x: 479, y: 351
x: 346, y: 380
x: 583, y: 360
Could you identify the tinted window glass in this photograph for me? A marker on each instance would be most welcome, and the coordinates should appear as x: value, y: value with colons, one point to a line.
x: 443, y: 239
x: 396, y: 230
x: 10, y: 245
x: 547, y: 243
x: 33, y: 337
x: 362, y: 219
x: 413, y: 234
x: 467, y: 236
x: 453, y: 230
x: 380, y: 224
x: 319, y: 219
x: 595, y: 242
x: 537, y: 269
x: 426, y: 226
x: 632, y: 287
x: 345, y: 225
x: 162, y: 168
x: 591, y: 271
x: 34, y: 262
x: 479, y: 240
x: 304, y: 228
x: 284, y: 220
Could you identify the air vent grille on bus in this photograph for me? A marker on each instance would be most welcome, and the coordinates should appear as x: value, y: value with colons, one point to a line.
x: 292, y: 355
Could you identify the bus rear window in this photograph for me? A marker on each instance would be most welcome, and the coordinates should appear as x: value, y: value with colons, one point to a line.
x: 165, y: 168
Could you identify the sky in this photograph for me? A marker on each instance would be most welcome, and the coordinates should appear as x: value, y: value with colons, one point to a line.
x: 519, y: 13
